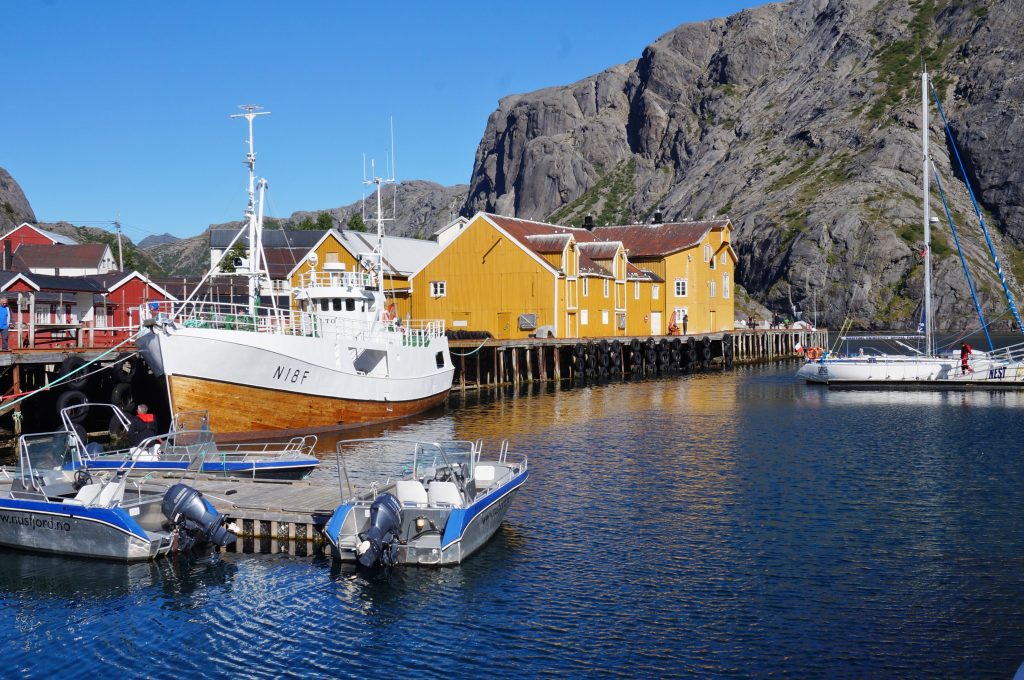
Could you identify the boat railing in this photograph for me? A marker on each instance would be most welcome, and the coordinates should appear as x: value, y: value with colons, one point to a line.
x: 218, y: 315
x: 428, y: 459
x: 414, y: 333
x: 336, y: 279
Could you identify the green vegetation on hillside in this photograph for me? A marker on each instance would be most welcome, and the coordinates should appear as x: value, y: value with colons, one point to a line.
x: 899, y: 62
x: 611, y: 194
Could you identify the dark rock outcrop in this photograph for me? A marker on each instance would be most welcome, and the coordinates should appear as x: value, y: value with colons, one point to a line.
x: 14, y: 207
x: 800, y: 120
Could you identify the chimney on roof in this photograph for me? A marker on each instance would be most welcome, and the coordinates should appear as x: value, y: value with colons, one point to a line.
x: 657, y: 216
x: 588, y: 222
x: 7, y: 254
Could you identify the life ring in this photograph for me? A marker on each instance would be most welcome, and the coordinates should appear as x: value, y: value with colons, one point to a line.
x: 810, y: 354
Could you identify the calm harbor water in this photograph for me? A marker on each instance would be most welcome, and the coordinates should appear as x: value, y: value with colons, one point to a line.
x: 725, y: 525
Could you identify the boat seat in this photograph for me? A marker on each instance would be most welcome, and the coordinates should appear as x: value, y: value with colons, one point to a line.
x: 484, y: 475
x: 444, y: 494
x: 86, y: 495
x: 410, y: 493
x: 111, y: 494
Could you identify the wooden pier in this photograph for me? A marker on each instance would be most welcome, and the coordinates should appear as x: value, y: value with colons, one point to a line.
x: 271, y: 516
x: 489, y: 363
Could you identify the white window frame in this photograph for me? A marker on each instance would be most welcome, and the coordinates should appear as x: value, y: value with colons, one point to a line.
x: 438, y: 289
x: 679, y: 313
x: 725, y: 285
x: 586, y: 286
x: 636, y: 290
x: 723, y: 256
x: 584, y: 317
x: 707, y: 253
x: 606, y: 282
x: 683, y: 286
x: 655, y: 293
x: 604, y: 317
x: 711, y: 289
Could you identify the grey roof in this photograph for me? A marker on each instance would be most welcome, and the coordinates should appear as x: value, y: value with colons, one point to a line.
x: 73, y: 284
x: 548, y: 243
x: 401, y: 255
x: 272, y: 238
x: 59, y: 238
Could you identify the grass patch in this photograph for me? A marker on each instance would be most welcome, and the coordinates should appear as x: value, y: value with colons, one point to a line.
x: 611, y: 193
x: 793, y: 175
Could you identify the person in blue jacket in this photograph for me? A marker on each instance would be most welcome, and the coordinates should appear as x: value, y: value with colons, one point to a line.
x: 5, y: 322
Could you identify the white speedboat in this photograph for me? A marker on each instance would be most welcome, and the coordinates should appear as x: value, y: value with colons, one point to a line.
x: 1002, y: 368
x: 51, y: 503
x: 448, y: 504
x: 189, y: 446
x: 338, y: 359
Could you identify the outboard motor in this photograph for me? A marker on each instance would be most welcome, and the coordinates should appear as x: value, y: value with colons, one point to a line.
x: 379, y: 543
x: 195, y: 519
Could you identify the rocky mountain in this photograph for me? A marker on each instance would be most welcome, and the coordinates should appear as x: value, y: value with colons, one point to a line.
x: 419, y: 209
x: 801, y: 121
x: 158, y: 240
x: 183, y: 257
x: 14, y: 207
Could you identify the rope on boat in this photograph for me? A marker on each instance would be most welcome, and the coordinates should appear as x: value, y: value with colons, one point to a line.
x: 466, y: 354
x: 960, y: 252
x: 21, y: 396
x: 977, y: 210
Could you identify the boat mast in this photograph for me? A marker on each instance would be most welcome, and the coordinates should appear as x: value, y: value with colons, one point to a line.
x: 926, y: 162
x: 379, y: 182
x: 255, y: 239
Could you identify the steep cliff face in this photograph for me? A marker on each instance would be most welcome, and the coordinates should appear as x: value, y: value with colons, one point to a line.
x: 801, y: 121
x: 14, y: 207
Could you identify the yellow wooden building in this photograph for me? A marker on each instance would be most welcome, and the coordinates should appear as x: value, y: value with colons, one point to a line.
x: 518, y: 278
x: 694, y: 265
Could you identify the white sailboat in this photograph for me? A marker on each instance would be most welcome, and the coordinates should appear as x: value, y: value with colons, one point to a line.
x: 930, y: 368
x: 339, y: 358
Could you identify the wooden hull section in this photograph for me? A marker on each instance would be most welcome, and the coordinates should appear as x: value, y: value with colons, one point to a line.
x: 240, y: 409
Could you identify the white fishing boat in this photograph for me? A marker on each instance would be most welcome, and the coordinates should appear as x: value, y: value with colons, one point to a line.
x: 446, y: 506
x: 51, y: 503
x: 338, y: 358
x: 1003, y: 368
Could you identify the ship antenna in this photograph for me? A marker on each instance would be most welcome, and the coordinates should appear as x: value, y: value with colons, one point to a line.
x: 255, y: 236
x: 378, y: 182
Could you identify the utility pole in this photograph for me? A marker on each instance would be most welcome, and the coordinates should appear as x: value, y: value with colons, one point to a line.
x: 120, y: 252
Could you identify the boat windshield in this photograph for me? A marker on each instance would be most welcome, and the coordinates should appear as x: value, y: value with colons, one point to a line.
x: 435, y: 458
x: 48, y: 451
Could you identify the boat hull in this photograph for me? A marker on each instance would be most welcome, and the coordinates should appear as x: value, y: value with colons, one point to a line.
x: 913, y: 372
x: 103, y: 533
x: 282, y: 470
x: 246, y: 410
x: 465, y: 531
x: 258, y: 382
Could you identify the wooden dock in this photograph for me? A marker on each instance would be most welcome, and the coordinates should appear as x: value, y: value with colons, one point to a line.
x: 272, y: 516
x: 489, y: 363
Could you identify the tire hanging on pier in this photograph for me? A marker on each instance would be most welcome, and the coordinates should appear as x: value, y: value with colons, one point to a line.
x: 126, y: 368
x: 72, y: 363
x: 121, y: 396
x: 73, y: 398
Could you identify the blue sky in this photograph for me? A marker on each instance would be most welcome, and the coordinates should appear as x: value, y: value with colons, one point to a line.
x: 120, y: 109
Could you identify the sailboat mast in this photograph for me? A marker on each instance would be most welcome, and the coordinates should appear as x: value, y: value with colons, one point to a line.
x: 251, y: 111
x: 926, y: 162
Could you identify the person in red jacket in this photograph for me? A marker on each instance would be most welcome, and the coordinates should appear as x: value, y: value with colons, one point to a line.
x: 965, y: 355
x: 142, y: 427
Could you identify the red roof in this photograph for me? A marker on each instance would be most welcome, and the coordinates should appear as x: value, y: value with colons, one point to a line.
x: 82, y: 256
x: 658, y: 240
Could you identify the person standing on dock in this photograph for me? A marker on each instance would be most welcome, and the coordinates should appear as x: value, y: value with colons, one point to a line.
x: 686, y: 321
x: 5, y: 323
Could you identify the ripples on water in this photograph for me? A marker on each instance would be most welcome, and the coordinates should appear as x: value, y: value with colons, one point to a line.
x: 719, y: 525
